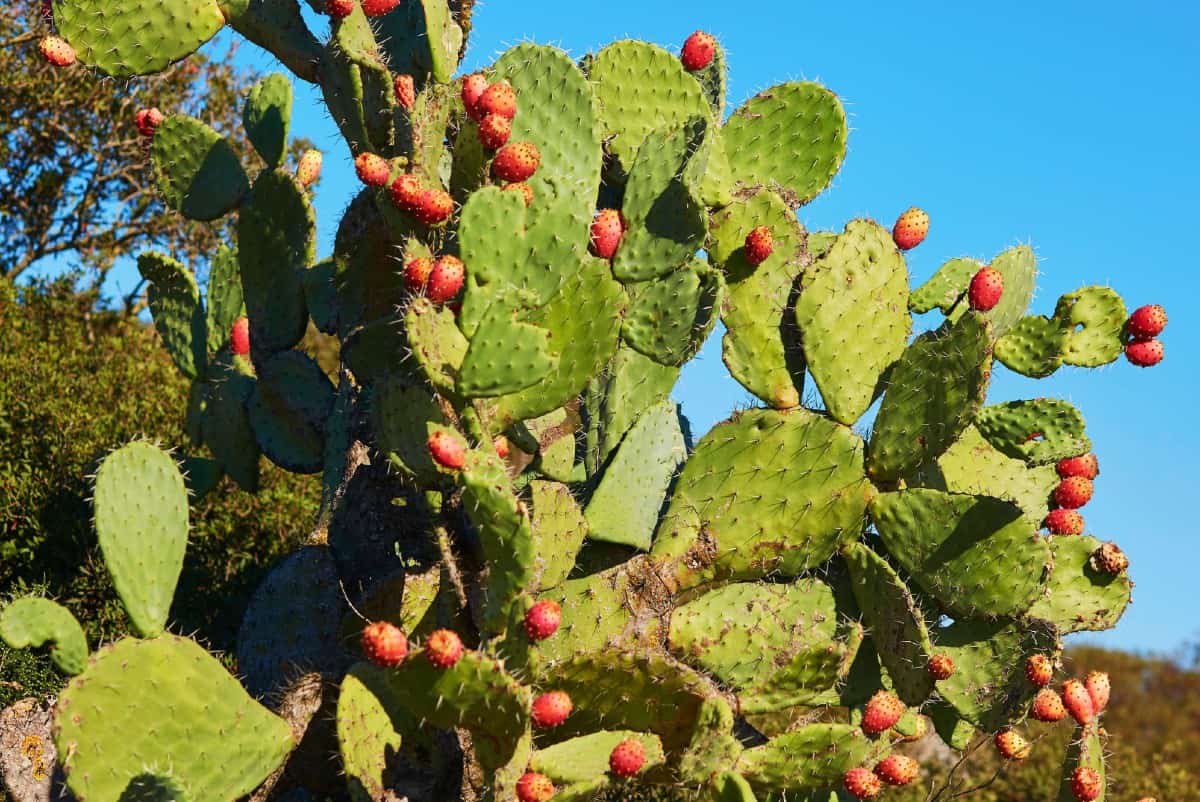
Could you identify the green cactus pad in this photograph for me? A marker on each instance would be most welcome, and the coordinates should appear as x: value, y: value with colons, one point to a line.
x: 894, y: 620
x: 276, y: 244
x: 1093, y: 318
x: 1078, y: 597
x: 197, y: 171
x: 202, y: 475
x: 419, y: 38
x: 558, y: 530
x: 729, y: 786
x: 178, y: 314
x: 932, y: 394
x: 597, y: 615
x: 975, y: 555
x: 224, y: 297
x: 714, y: 80
x: 809, y: 758
x: 554, y: 434
x: 665, y: 217
x: 436, y: 342
x: 586, y: 757
x: 320, y: 296
x: 756, y: 350
x: 955, y: 732
x: 506, y: 355
x: 631, y: 384
x: 853, y: 316
x: 226, y: 426
x: 1033, y: 347
x: 444, y: 37
x: 1085, y: 750
x: 790, y: 138
x: 404, y: 416
x: 113, y: 37
x: 713, y: 747
x: 764, y: 493
x: 164, y: 702
x: 288, y: 410
x: 32, y: 622
x: 1041, y: 431
x: 945, y: 287
x: 368, y: 730
x: 267, y: 116
x: 1019, y: 267
x: 141, y: 511
x: 670, y: 318
x: 429, y: 120
x: 625, y: 505
x: 342, y: 86
x: 367, y: 280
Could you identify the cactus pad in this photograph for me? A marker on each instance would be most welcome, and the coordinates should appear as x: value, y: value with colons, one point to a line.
x: 1039, y: 432
x: 586, y: 757
x: 40, y: 622
x: 224, y: 297
x: 1093, y: 319
x: 197, y: 171
x: 178, y: 314
x: 945, y: 287
x: 1078, y: 597
x: 266, y: 117
x: 1085, y: 750
x: 809, y: 758
x: 114, y: 37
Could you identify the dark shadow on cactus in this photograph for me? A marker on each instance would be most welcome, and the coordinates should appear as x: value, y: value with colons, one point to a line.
x: 674, y: 214
x: 986, y: 517
x: 153, y: 788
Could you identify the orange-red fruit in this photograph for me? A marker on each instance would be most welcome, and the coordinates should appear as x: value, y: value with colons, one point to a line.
x: 433, y: 206
x: 883, y: 710
x: 339, y: 9
x: 1064, y: 522
x: 1048, y: 706
x: 416, y: 273
x: 445, y: 279
x: 542, y: 619
x: 1146, y: 321
x: 607, y: 230
x: 500, y: 443
x: 523, y: 188
x: 1073, y: 492
x: 551, y: 709
x: 494, y: 131
x: 309, y: 168
x: 698, y: 51
x: 447, y: 450
x: 1110, y: 559
x: 384, y: 644
x: 1098, y: 688
x: 499, y: 99
x: 862, y: 783
x: 897, y: 769
x: 1086, y: 784
x: 986, y: 288
x: 627, y: 758
x: 1085, y: 465
x: 406, y: 192
x: 1012, y: 746
x: 910, y: 229
x: 516, y: 162
x: 473, y: 87
x: 239, y: 337
x: 147, y: 121
x: 534, y: 787
x: 1078, y: 701
x: 1144, y: 353
x: 405, y: 90
x: 941, y: 666
x: 372, y: 169
x: 57, y: 51
x: 1039, y: 670
x: 443, y: 648
x: 377, y: 8
x: 760, y: 243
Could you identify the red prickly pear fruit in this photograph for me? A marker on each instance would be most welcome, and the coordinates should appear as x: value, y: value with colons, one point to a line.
x: 1086, y: 784
x: 883, y: 710
x: 607, y: 230
x: 1085, y: 465
x: 147, y: 121
x: 551, y: 709
x: 445, y: 279
x: 372, y: 169
x: 308, y: 170
x: 443, y: 648
x: 534, y: 787
x: 499, y: 99
x: 57, y: 51
x: 447, y: 451
x: 377, y: 8
x: 542, y: 619
x: 1098, y: 688
x: 862, y: 783
x: 1078, y: 702
x: 416, y: 273
x: 405, y: 90
x: 1110, y: 559
x: 339, y: 9
x: 494, y: 131
x: 473, y: 87
x: 406, y: 192
x: 698, y: 51
x: 433, y: 206
x: 524, y: 189
x: 897, y: 769
x: 1073, y: 492
x: 1144, y: 353
x: 760, y: 244
x: 1048, y: 706
x: 1039, y: 670
x: 1064, y: 522
x: 384, y: 644
x: 239, y: 337
x: 500, y: 443
x: 941, y: 666
x: 516, y: 162
x: 627, y: 758
x: 1012, y: 746
x: 910, y: 229
x: 986, y: 288
x: 1146, y: 321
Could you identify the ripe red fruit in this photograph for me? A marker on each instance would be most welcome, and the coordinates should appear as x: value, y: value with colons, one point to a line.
x: 516, y: 162
x: 627, y: 758
x: 433, y: 206
x: 1110, y: 559
x: 1048, y: 706
x: 883, y: 710
x: 1064, y: 522
x: 1098, y: 688
x: 534, y: 787
x: 405, y: 90
x: 494, y: 131
x: 372, y: 169
x: 897, y: 769
x: 239, y: 337
x: 1039, y: 670
x: 1073, y: 492
x: 1086, y: 784
x: 308, y: 170
x: 57, y: 51
x: 339, y: 9
x: 377, y: 8
x: 473, y: 87
x: 1085, y: 465
x: 147, y: 121
x: 499, y: 99
x: 1012, y: 746
x: 445, y: 279
x: 941, y: 666
x: 910, y: 229
x: 607, y: 230
x: 500, y: 443
x: 698, y: 51
x: 406, y: 192
x: 760, y: 243
x: 447, y: 450
x: 416, y: 273
x: 986, y: 288
x: 384, y: 644
x: 1144, y: 353
x: 551, y: 709
x: 1146, y: 321
x: 861, y: 783
x: 542, y: 619
x: 1078, y: 701
x: 443, y: 648
x: 523, y: 188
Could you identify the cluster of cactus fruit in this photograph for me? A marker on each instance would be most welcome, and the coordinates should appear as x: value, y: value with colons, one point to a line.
x: 555, y: 590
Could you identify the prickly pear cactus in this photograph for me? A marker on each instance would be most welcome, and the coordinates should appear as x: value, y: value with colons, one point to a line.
x: 565, y: 592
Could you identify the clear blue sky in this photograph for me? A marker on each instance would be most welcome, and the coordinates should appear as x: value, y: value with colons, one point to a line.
x: 1069, y: 125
